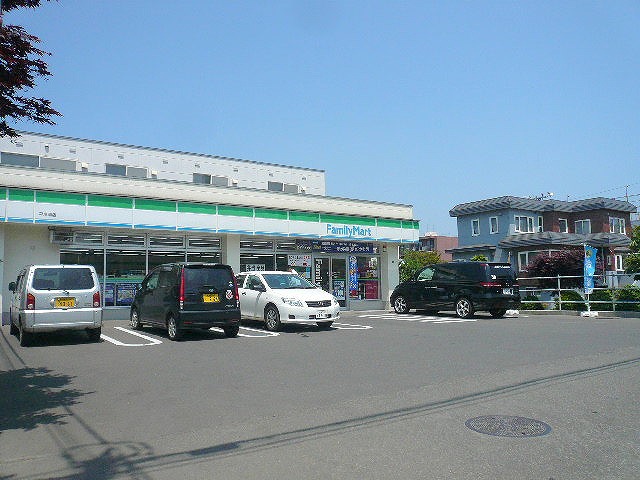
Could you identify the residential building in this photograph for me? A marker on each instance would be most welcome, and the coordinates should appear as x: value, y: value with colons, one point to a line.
x: 432, y: 242
x: 515, y: 229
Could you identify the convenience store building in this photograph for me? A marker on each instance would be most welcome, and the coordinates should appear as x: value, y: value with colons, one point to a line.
x: 125, y: 209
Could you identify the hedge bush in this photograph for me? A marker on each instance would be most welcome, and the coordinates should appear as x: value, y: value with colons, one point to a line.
x: 571, y: 296
x: 531, y: 306
x: 628, y: 293
x: 602, y: 296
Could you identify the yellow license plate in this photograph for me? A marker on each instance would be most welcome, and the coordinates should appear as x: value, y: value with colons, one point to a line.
x: 65, y: 302
x: 210, y: 298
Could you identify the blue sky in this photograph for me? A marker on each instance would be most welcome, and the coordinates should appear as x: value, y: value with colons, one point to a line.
x: 416, y: 102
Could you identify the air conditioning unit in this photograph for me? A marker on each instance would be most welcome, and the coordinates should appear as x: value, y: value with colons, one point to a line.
x: 61, y: 237
x: 154, y: 173
x: 84, y: 165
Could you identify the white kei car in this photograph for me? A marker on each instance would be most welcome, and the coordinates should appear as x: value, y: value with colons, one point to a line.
x: 283, y: 297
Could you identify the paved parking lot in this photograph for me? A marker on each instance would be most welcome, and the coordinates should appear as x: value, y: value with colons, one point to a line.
x: 377, y: 396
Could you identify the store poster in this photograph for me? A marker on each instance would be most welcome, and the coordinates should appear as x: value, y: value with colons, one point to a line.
x: 125, y: 293
x: 109, y: 294
x: 353, y: 277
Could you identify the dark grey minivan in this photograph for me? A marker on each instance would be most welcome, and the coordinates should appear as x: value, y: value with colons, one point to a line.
x: 188, y: 296
x: 463, y: 286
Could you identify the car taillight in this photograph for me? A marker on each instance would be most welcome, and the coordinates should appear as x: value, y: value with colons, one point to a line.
x: 96, y: 300
x: 181, y: 294
x: 490, y: 284
x: 31, y: 302
x: 235, y: 288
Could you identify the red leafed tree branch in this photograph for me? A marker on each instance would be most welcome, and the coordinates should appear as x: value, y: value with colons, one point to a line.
x: 21, y: 62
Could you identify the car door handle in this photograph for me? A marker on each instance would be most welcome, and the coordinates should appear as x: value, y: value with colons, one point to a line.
x: 244, y: 293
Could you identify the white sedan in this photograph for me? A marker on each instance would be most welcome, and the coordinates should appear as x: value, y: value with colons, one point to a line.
x: 284, y: 297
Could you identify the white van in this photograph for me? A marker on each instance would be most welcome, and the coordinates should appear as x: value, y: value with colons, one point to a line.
x: 55, y: 297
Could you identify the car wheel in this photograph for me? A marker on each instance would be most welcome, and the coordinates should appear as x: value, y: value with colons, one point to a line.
x: 172, y: 329
x: 232, y: 331
x: 272, y: 319
x: 94, y: 334
x: 464, y: 308
x: 23, y: 336
x: 134, y: 320
x: 498, y: 312
x: 324, y: 325
x: 400, y: 305
x: 13, y: 330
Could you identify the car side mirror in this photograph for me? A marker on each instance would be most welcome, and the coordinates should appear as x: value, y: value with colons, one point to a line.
x: 261, y: 288
x: 12, y: 286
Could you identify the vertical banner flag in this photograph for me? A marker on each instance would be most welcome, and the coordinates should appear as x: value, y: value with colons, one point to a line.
x: 589, y: 268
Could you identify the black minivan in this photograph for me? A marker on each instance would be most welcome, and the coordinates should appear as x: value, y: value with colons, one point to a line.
x: 463, y: 286
x: 188, y: 296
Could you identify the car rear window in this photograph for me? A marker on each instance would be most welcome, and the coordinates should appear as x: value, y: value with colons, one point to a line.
x: 199, y: 278
x: 501, y: 272
x: 45, y: 278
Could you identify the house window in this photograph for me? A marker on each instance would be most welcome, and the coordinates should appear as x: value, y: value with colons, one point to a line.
x: 563, y: 225
x: 619, y: 266
x: 475, y: 227
x: 617, y: 225
x: 524, y: 224
x: 583, y: 226
x: 493, y: 224
x: 525, y: 258
x: 540, y: 224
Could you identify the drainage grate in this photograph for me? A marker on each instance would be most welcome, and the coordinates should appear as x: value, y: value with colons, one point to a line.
x: 506, y: 426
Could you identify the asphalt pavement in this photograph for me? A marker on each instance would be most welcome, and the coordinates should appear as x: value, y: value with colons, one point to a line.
x: 378, y: 396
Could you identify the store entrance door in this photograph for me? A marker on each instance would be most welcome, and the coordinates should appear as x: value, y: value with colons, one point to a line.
x: 331, y: 275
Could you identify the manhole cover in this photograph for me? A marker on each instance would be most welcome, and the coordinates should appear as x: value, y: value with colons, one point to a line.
x: 506, y: 426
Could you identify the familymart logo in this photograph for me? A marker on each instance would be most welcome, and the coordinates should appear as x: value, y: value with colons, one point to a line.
x: 349, y: 231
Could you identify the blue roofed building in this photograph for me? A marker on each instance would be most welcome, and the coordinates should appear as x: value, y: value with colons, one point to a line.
x: 515, y: 229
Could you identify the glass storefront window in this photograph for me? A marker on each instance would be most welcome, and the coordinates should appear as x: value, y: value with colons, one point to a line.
x: 256, y: 244
x: 125, y: 271
x: 93, y: 257
x: 173, y: 242
x: 137, y: 240
x: 250, y: 262
x: 92, y: 238
x: 197, y: 242
x: 205, y: 257
x: 364, y: 278
x: 156, y: 258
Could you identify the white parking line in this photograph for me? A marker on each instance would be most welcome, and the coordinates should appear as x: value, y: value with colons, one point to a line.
x: 154, y: 341
x: 451, y: 321
x: 263, y: 333
x: 348, y: 326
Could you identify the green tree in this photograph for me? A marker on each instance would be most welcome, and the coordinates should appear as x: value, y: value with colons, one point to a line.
x: 479, y: 258
x: 20, y: 63
x: 413, y: 261
x: 632, y: 262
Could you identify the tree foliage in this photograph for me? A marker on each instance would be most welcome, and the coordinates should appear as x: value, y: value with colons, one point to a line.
x: 20, y: 63
x: 414, y: 260
x: 479, y: 258
x: 569, y: 262
x: 632, y: 262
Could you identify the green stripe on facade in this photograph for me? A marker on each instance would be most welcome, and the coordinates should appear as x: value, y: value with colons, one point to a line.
x: 21, y: 195
x: 384, y: 222
x: 235, y: 211
x: 414, y: 224
x: 197, y: 208
x: 111, y: 202
x: 157, y: 205
x: 273, y: 214
x: 304, y: 217
x: 3, y: 193
x: 371, y: 222
x: 63, y: 198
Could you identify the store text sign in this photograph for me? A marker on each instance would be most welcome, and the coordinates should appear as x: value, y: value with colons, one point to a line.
x: 349, y: 231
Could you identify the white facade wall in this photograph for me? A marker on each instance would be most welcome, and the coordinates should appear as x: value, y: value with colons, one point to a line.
x: 168, y: 165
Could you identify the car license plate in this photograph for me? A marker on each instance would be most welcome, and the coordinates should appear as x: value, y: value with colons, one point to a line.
x: 507, y: 291
x: 321, y: 315
x: 210, y: 298
x: 65, y: 302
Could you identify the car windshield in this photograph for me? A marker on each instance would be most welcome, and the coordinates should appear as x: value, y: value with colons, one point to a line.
x: 62, y: 279
x: 279, y: 281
